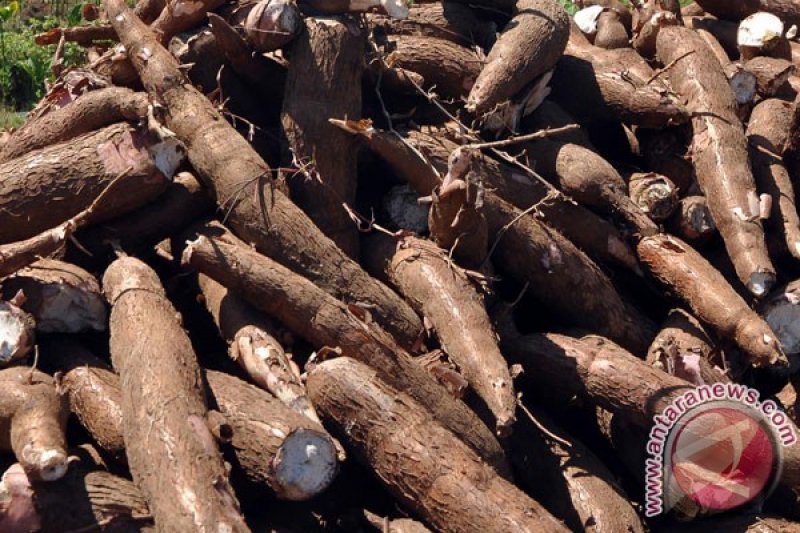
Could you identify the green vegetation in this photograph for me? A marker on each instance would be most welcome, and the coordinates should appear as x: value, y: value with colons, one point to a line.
x: 24, y: 66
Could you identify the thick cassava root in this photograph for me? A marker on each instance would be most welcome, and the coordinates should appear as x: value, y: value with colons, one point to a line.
x: 392, y: 433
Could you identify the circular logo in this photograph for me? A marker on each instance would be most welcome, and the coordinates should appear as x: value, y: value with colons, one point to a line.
x: 722, y: 456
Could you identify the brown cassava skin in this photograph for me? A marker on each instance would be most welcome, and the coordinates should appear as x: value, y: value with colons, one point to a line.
x: 17, y: 255
x: 324, y: 321
x: 648, y: 19
x: 692, y: 279
x: 447, y: 20
x: 420, y: 462
x: 87, y: 499
x: 562, y: 278
x: 422, y: 273
x: 62, y: 297
x: 184, y: 201
x: 149, y: 10
x: 182, y: 15
x: 724, y: 31
x: 46, y: 187
x: 397, y: 525
x: 327, y: 64
x: 33, y: 419
x: 251, y: 343
x: 92, y: 388
x: 92, y: 111
x: 612, y: 85
x: 772, y: 74
x: 611, y: 32
x: 261, y: 426
x: 692, y: 220
x: 719, y: 153
x: 268, y: 25
x: 570, y: 481
x: 418, y: 167
x: 240, y: 181
x: 530, y: 45
x: 768, y: 134
x: 787, y: 10
x: 596, y: 369
x: 562, y: 367
x: 450, y: 67
x: 83, y: 35
x: 588, y: 178
x: 682, y: 336
x: 162, y: 387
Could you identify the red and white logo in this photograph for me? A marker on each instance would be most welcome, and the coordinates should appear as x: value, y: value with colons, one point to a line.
x: 722, y: 457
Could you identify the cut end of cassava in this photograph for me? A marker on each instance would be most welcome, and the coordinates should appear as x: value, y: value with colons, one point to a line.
x: 405, y: 211
x: 395, y: 8
x: 168, y: 155
x: 16, y: 333
x: 760, y: 283
x: 270, y: 24
x: 62, y: 297
x: 656, y: 195
x: 305, y: 465
x: 744, y: 85
x: 586, y: 19
x: 759, y: 30
x: 782, y: 313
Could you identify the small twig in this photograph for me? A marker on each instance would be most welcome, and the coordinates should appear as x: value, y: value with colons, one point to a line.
x: 540, y: 426
x: 541, y: 134
x: 35, y: 363
x: 667, y: 67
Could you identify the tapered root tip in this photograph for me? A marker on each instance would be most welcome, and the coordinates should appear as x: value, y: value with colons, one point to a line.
x: 760, y: 283
x: 47, y: 465
x: 305, y: 465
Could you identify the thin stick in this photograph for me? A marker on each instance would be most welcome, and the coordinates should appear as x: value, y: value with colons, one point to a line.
x: 540, y: 426
x: 541, y: 134
x: 668, y: 66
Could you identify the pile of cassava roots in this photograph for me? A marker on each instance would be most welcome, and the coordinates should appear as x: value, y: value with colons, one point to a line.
x: 365, y: 266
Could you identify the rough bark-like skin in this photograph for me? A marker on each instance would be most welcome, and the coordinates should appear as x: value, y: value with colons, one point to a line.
x: 184, y: 201
x: 611, y: 32
x: 92, y: 388
x: 422, y: 272
x: 449, y: 69
x: 648, y: 19
x: 262, y: 427
x: 83, y: 35
x: 719, y: 153
x: 252, y: 344
x: 241, y: 182
x: 447, y: 20
x: 772, y: 74
x: 423, y: 464
x: 612, y: 85
x: 562, y: 278
x: 33, y: 419
x: 62, y: 297
x: 182, y: 15
x: 786, y: 10
x: 92, y: 111
x: 530, y: 45
x: 768, y: 133
x: 570, y: 481
x: 46, y: 187
x: 324, y: 321
x: 692, y: 279
x: 588, y: 178
x: 682, y: 348
x: 269, y: 24
x: 173, y: 456
x: 562, y: 367
x: 323, y: 81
